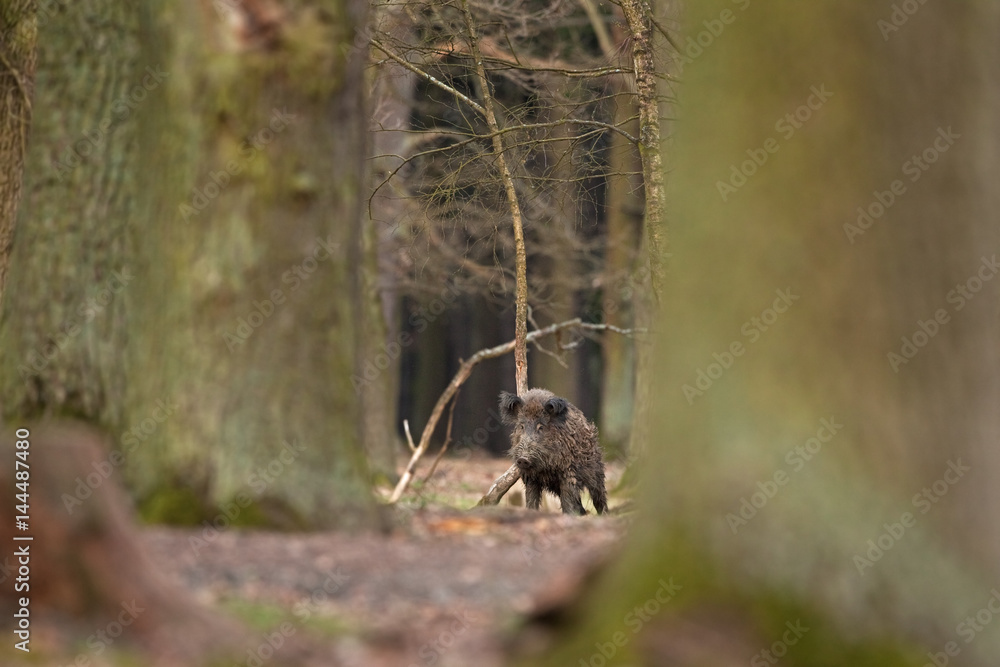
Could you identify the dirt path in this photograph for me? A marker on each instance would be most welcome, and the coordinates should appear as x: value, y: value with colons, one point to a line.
x: 439, y: 589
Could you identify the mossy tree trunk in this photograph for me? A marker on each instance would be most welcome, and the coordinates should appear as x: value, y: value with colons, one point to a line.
x: 18, y: 34
x: 63, y: 324
x: 185, y: 267
x: 825, y: 400
x: 252, y: 183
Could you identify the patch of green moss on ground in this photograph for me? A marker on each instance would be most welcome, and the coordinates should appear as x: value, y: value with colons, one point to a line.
x: 180, y: 506
x: 265, y: 617
x: 174, y: 506
x: 251, y: 516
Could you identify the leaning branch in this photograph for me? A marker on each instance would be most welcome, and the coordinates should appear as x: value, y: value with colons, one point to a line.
x: 464, y: 370
x: 500, y: 487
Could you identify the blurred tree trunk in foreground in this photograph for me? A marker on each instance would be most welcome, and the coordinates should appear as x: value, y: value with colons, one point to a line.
x: 86, y: 567
x: 186, y: 266
x: 825, y: 427
x: 18, y: 34
x: 62, y: 325
x: 253, y: 153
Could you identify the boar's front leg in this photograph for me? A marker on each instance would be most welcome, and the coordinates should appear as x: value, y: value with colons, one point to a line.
x: 569, y: 497
x: 532, y: 494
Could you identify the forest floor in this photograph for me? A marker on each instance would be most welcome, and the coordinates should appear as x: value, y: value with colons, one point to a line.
x: 443, y: 586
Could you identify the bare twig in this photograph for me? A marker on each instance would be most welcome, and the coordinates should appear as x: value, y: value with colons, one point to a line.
x: 447, y: 439
x: 409, y: 438
x: 600, y: 29
x: 558, y: 357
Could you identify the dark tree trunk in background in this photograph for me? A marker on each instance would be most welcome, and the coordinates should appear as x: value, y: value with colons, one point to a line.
x: 391, y: 102
x: 833, y: 368
x: 623, y: 279
x: 475, y: 326
x: 252, y: 189
x: 425, y: 366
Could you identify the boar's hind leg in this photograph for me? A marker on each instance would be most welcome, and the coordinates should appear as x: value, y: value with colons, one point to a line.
x: 600, y: 498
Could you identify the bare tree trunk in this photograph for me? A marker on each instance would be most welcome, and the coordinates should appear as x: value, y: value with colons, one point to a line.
x: 639, y: 19
x: 377, y: 394
x: 17, y: 82
x: 520, y: 258
x: 552, y: 276
x: 221, y: 318
x: 640, y: 24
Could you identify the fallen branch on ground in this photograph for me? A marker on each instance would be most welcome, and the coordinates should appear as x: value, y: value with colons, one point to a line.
x: 464, y: 370
x: 500, y: 487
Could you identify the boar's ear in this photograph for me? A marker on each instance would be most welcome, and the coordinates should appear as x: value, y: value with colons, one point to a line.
x: 509, y: 405
x: 556, y: 407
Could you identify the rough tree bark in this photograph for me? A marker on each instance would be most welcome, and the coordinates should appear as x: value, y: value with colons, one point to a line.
x: 250, y: 240
x: 837, y: 467
x: 63, y: 323
x: 18, y: 33
x: 194, y: 299
x: 640, y: 24
x: 639, y: 18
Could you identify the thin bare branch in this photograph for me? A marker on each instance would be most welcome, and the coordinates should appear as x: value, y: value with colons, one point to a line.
x: 409, y: 438
x: 447, y: 439
x: 424, y: 75
x: 600, y: 29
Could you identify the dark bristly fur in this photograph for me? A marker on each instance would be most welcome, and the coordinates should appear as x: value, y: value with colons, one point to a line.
x: 556, y: 449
